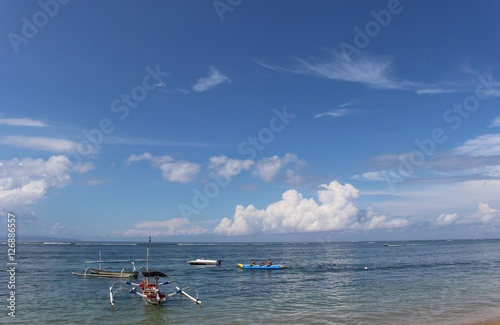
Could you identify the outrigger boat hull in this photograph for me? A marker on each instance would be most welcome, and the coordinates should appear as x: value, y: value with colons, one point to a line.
x: 263, y: 267
x: 123, y: 273
x: 92, y: 272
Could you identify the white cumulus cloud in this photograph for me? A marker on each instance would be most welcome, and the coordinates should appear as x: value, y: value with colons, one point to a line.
x: 334, y: 210
x: 446, y: 219
x: 179, y: 171
x: 372, y: 219
x: 25, y: 181
x: 269, y: 168
x: 226, y: 168
x: 141, y: 157
x: 486, y: 214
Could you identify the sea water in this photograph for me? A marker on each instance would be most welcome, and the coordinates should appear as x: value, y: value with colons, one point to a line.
x: 421, y: 282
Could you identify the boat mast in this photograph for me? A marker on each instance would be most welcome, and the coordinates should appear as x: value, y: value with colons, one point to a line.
x: 147, y: 254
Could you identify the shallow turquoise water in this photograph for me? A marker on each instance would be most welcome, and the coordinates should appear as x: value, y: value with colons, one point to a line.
x: 423, y: 282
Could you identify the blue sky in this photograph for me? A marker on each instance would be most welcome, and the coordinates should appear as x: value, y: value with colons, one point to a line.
x: 250, y: 120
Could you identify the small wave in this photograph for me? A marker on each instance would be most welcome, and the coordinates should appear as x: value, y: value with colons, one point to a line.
x: 57, y: 243
x: 105, y: 244
x: 184, y: 244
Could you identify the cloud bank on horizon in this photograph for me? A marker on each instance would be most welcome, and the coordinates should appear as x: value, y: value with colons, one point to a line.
x: 334, y: 210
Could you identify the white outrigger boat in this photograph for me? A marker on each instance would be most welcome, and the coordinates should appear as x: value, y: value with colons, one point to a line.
x: 149, y: 288
x: 107, y: 273
x: 202, y: 261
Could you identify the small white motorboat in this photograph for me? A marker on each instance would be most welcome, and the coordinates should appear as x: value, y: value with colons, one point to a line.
x: 202, y: 261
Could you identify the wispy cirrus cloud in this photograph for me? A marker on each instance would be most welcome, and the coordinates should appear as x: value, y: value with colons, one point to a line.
x: 343, y: 110
x: 214, y: 79
x: 475, y: 159
x: 336, y: 112
x: 372, y: 71
x: 22, y: 122
x: 169, y: 227
x: 495, y: 123
x: 431, y: 90
x: 482, y: 146
x: 377, y: 72
x: 54, y: 145
x: 137, y: 141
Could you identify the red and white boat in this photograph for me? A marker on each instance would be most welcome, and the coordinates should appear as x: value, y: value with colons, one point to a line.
x: 149, y: 288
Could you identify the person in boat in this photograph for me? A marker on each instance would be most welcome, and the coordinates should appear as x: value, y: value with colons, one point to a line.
x: 262, y: 263
x: 269, y: 262
x: 252, y: 263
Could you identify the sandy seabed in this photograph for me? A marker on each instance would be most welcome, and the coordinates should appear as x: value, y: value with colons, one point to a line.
x: 486, y: 321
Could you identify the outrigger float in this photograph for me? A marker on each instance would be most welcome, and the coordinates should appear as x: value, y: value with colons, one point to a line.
x: 149, y: 288
x: 107, y: 273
